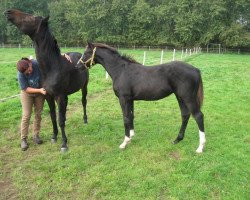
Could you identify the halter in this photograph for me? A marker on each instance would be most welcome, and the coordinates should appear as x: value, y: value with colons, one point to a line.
x: 91, y: 59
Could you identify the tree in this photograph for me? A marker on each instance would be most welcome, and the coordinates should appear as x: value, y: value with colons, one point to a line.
x: 141, y: 22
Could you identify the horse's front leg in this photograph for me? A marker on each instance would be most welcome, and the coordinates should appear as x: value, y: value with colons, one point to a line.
x: 62, y: 105
x: 51, y: 102
x: 126, y: 106
x: 84, y: 103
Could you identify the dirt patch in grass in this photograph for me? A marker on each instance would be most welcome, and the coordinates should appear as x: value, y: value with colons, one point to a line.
x: 7, y: 190
x: 176, y: 155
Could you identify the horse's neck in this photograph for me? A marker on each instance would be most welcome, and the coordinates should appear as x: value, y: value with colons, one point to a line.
x: 111, y: 64
x: 47, y: 56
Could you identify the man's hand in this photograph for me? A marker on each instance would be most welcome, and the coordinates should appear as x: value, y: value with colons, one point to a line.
x: 67, y: 57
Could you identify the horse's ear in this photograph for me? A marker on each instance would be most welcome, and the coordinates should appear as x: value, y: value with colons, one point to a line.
x: 90, y: 45
x: 45, y: 20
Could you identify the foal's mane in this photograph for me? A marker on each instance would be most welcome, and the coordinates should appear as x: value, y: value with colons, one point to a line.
x: 113, y: 50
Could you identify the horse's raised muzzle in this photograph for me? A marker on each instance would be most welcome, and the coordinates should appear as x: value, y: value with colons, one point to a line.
x: 7, y: 14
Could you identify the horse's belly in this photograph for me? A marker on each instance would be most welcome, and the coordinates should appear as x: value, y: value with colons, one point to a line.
x: 152, y: 94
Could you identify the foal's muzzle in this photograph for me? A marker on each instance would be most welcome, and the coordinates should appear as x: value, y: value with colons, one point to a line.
x: 81, y: 64
x: 90, y: 61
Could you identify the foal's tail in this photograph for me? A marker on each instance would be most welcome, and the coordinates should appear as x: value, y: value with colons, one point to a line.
x: 200, y: 95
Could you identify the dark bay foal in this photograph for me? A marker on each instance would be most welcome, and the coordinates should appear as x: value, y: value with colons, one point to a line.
x: 133, y: 81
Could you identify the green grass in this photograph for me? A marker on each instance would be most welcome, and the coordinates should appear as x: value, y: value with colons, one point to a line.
x: 151, y: 167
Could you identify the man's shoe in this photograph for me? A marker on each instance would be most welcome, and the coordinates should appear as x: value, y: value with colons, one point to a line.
x: 24, y: 145
x: 37, y: 139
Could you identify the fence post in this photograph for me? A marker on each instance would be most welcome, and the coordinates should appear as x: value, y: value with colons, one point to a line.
x: 186, y: 53
x: 144, y: 58
x: 107, y: 75
x: 161, y: 56
x: 19, y: 46
x: 182, y: 53
x: 190, y: 52
x: 174, y: 55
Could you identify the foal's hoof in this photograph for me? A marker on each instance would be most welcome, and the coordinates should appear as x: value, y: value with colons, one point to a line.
x: 64, y: 149
x: 53, y: 141
x: 122, y: 147
x: 199, y: 150
x: 125, y: 143
x: 176, y: 141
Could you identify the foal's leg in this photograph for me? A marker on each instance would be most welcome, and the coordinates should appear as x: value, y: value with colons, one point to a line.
x: 199, y: 118
x: 52, y: 107
x: 62, y: 104
x: 132, y: 131
x: 84, y: 103
x: 127, y: 118
x: 185, y: 115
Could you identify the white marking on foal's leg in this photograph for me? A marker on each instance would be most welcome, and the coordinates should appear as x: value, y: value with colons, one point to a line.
x: 132, y: 133
x: 125, y: 142
x: 202, y: 142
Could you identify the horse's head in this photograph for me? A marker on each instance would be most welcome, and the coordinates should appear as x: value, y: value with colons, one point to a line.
x: 27, y: 23
x: 88, y: 57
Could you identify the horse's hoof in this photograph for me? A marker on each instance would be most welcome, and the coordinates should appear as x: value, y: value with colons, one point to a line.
x: 176, y: 142
x: 122, y: 147
x: 199, y: 150
x: 64, y: 149
x: 53, y: 141
x: 85, y: 120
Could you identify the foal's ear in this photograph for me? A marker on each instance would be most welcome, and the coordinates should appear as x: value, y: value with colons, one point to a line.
x: 91, y: 45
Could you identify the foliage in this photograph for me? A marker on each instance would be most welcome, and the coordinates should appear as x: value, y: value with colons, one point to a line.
x: 182, y: 23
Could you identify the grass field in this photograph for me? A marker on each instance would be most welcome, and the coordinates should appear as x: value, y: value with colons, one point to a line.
x: 151, y: 167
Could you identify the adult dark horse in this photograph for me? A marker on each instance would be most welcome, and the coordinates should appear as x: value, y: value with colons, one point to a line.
x: 60, y: 77
x: 133, y: 81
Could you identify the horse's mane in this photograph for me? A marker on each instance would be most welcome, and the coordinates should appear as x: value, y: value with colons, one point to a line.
x: 50, y: 44
x: 126, y: 57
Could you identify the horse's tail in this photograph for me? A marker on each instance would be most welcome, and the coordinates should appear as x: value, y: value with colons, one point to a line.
x: 200, y: 94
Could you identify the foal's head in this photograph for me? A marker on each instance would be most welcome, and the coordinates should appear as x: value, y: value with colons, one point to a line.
x: 30, y: 25
x: 88, y: 57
